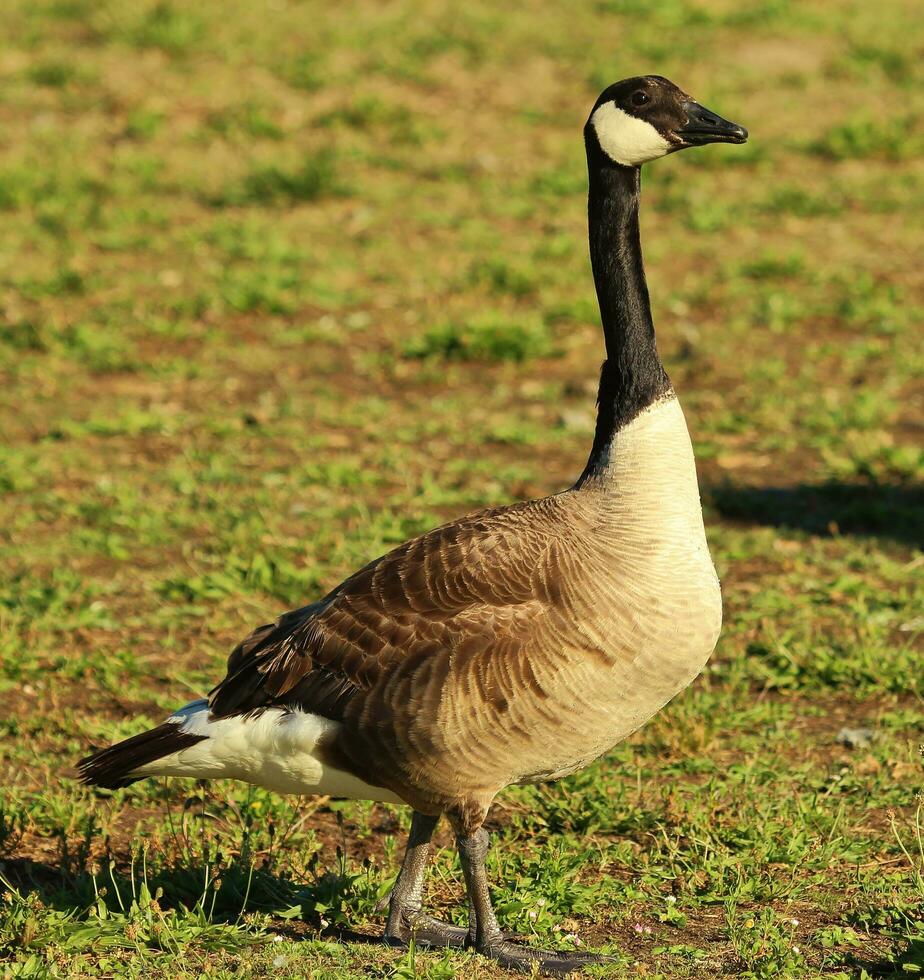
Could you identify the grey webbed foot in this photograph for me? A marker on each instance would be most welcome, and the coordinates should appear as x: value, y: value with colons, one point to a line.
x: 424, y: 929
x: 485, y: 934
x: 551, y: 963
x: 406, y: 920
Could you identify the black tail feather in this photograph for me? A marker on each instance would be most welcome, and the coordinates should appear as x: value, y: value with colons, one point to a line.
x: 112, y: 767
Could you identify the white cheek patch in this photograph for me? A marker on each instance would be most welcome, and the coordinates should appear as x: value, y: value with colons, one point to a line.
x: 627, y: 139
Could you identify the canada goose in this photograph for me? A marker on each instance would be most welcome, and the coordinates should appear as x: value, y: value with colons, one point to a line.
x: 514, y: 645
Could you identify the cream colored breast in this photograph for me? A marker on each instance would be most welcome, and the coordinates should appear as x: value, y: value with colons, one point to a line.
x: 644, y: 598
x: 648, y: 567
x: 649, y: 485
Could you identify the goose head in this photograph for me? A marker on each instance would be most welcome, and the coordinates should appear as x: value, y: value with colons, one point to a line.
x: 643, y: 118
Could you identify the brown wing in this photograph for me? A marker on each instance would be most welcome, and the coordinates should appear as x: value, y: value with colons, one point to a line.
x: 457, y: 592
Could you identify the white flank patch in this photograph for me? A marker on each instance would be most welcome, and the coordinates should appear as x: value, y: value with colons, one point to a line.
x: 274, y: 749
x: 627, y: 139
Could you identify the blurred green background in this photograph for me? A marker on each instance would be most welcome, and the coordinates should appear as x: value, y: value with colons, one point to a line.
x: 284, y: 283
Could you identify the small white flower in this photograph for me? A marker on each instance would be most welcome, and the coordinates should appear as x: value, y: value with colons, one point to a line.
x: 670, y: 899
x: 795, y: 949
x: 794, y: 922
x: 277, y: 939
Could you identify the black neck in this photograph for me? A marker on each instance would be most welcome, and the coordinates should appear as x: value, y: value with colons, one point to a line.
x: 633, y: 376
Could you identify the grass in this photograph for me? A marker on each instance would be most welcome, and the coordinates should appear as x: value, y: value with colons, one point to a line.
x: 278, y: 291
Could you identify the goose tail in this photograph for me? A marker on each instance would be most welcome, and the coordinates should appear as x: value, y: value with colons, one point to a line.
x: 141, y: 755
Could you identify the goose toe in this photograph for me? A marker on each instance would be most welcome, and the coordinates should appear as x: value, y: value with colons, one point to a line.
x: 425, y: 930
x: 549, y: 962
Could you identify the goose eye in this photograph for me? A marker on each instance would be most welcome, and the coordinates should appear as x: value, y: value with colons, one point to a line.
x: 639, y: 99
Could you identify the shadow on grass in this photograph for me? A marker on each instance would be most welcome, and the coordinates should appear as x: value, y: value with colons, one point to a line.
x: 828, y: 509
x: 910, y: 962
x: 192, y: 901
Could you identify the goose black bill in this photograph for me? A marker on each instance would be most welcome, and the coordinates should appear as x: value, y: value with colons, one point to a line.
x: 703, y: 126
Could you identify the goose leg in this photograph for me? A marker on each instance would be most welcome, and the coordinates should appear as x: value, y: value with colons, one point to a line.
x: 406, y: 918
x: 485, y: 934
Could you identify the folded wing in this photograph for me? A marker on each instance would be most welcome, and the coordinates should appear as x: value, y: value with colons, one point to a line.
x: 444, y: 601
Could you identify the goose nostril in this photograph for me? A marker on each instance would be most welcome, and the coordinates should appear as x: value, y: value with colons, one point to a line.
x: 710, y: 120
